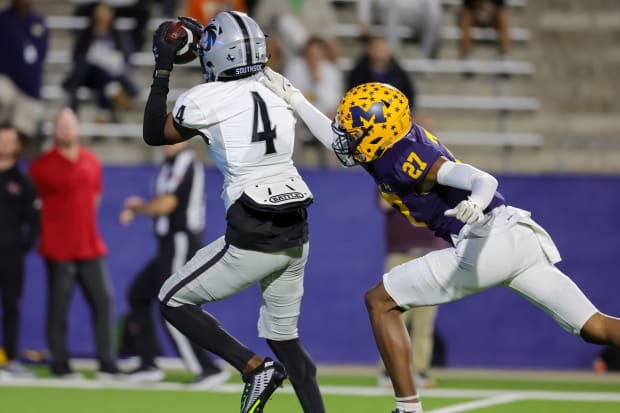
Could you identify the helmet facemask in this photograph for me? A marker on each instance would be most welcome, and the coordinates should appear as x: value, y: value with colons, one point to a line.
x: 345, y: 144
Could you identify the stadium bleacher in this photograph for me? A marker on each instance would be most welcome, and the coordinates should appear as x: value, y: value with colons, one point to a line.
x: 530, y: 109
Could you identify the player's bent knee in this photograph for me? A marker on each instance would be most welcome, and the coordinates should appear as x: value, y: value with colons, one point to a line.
x: 378, y: 300
x: 276, y: 328
x: 593, y: 331
x: 602, y: 329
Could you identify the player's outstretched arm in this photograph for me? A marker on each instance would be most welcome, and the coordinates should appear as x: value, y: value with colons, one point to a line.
x: 317, y: 122
x: 157, y: 127
x: 463, y: 176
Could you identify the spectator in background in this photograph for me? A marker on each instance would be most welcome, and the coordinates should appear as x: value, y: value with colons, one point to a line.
x: 320, y: 80
x: 405, y: 242
x: 422, y: 16
x: 205, y: 10
x: 101, y: 62
x: 25, y: 39
x: 178, y: 212
x: 378, y: 64
x: 68, y: 182
x: 19, y: 228
x: 137, y: 10
x: 293, y: 22
x: 484, y: 13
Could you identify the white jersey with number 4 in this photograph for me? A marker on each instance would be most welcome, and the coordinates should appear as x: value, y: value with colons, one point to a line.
x: 249, y: 131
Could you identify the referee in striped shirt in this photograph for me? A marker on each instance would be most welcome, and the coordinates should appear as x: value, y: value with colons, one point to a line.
x: 178, y: 212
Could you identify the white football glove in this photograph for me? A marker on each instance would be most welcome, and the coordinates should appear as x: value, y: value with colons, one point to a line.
x: 467, y: 211
x: 278, y: 84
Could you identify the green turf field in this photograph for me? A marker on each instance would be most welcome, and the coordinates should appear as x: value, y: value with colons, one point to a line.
x: 344, y: 393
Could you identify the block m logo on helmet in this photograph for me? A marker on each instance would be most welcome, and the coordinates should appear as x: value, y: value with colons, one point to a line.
x: 375, y: 111
x: 370, y: 118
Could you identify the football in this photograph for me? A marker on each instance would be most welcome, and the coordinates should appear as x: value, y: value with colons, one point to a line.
x: 187, y: 28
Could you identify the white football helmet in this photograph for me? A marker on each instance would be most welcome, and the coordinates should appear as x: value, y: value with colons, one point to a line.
x: 232, y: 46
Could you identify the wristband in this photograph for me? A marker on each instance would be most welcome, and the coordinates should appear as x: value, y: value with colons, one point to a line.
x: 161, y: 73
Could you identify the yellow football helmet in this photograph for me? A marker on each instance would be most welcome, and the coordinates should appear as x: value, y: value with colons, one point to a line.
x: 370, y: 118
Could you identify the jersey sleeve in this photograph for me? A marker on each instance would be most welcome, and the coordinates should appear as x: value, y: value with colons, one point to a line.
x: 413, y: 162
x: 187, y: 113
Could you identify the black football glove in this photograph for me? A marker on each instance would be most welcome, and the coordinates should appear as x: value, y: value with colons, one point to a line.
x: 164, y: 51
x: 192, y: 24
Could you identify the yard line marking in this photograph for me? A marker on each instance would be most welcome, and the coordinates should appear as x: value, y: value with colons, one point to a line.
x: 487, y: 395
x: 574, y: 396
x: 478, y: 404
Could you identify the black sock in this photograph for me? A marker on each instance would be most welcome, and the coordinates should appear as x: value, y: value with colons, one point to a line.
x: 302, y: 373
x: 203, y: 329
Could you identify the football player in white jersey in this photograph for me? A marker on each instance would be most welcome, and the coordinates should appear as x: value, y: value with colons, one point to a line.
x: 493, y: 243
x: 249, y: 132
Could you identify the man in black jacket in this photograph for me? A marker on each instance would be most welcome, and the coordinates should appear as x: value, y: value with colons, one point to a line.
x: 378, y: 64
x: 19, y: 227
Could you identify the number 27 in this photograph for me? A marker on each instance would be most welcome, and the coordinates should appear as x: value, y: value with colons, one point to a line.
x: 414, y: 166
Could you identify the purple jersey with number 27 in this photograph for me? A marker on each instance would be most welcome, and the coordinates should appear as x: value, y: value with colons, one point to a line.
x: 402, y: 167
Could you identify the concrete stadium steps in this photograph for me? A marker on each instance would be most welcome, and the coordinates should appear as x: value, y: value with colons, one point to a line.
x: 578, y: 61
x: 465, y: 110
x: 425, y: 101
x: 347, y: 11
x: 477, y: 121
x: 446, y: 71
x: 574, y: 5
x: 516, y: 152
x: 448, y: 49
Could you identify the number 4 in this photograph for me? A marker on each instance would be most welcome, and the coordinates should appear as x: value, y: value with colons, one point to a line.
x: 179, y: 116
x: 268, y: 135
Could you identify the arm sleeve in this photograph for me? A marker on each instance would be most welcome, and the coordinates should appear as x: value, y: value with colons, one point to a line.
x: 318, y: 123
x: 464, y: 176
x: 155, y: 113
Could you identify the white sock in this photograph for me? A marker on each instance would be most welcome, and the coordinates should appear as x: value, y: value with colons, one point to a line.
x: 406, y: 405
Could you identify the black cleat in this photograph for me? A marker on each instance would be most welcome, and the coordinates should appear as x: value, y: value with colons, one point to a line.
x: 260, y: 385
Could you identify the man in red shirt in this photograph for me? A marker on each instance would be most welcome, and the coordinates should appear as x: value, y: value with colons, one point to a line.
x: 68, y: 182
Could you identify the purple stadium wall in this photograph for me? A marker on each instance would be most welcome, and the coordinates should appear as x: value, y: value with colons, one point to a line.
x: 496, y: 328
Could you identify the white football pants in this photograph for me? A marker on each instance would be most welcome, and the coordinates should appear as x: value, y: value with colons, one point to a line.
x: 219, y: 270
x: 513, y: 251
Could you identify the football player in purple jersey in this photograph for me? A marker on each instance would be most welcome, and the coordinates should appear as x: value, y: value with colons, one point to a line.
x: 493, y: 243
